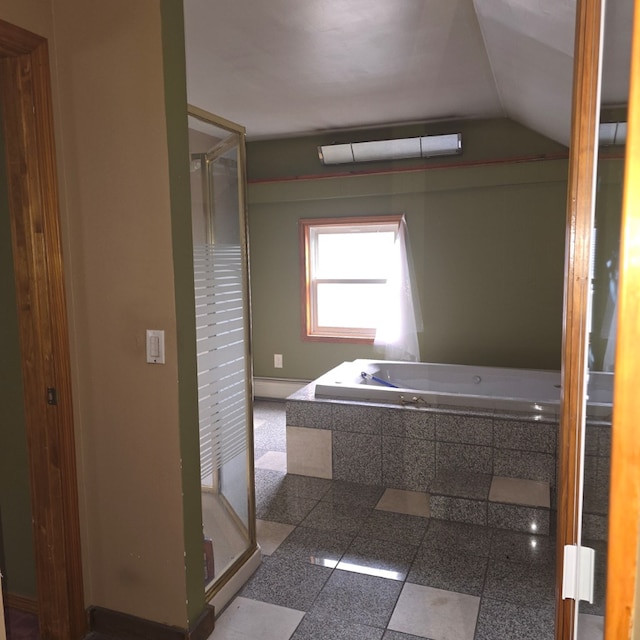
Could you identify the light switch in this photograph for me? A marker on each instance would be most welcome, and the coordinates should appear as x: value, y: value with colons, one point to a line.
x: 155, y: 346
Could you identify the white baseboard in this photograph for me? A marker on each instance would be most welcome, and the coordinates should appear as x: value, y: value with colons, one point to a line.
x: 276, y: 388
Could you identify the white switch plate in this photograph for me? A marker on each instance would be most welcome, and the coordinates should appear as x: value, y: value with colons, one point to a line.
x: 277, y: 360
x: 155, y: 346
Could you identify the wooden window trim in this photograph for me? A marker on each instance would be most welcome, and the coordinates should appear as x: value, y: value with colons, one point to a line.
x: 306, y: 297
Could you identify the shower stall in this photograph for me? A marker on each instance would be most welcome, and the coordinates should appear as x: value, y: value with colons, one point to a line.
x: 220, y: 264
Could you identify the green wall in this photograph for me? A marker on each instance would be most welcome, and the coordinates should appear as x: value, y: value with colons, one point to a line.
x: 486, y: 232
x: 17, y: 562
x: 177, y: 140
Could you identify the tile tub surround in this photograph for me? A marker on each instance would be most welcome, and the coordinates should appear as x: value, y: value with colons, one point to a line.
x: 406, y: 447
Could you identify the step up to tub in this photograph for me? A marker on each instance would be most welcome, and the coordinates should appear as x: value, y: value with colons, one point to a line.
x: 477, y: 498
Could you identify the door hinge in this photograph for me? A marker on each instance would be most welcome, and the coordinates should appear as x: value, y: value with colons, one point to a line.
x: 578, y: 573
x: 52, y: 395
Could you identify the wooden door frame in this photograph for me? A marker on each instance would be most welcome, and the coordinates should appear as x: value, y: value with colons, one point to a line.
x: 25, y: 95
x: 577, y: 285
x: 624, y: 509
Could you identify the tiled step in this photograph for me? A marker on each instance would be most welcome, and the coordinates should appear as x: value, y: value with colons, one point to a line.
x: 504, y: 503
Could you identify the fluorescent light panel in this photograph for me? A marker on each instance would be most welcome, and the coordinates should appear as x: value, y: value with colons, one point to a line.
x: 422, y: 147
x: 612, y: 133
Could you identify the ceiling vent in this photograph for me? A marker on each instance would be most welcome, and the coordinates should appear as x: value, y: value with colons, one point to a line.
x: 612, y: 133
x: 377, y: 150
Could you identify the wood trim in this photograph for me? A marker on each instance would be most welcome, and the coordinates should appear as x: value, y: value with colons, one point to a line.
x: 624, y: 510
x: 21, y: 603
x: 121, y: 625
x: 580, y: 208
x: 25, y: 93
x: 306, y: 286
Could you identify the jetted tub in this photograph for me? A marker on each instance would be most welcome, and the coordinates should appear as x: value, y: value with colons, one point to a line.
x: 447, y: 385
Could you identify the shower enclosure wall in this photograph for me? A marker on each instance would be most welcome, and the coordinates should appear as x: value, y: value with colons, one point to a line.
x: 220, y: 258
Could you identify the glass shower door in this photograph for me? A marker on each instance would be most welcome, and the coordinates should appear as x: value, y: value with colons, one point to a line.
x: 222, y: 340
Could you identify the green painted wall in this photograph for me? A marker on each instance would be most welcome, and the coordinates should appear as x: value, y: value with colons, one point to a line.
x: 487, y: 242
x: 177, y: 140
x: 17, y: 562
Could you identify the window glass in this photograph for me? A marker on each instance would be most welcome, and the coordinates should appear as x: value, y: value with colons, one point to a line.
x: 346, y: 266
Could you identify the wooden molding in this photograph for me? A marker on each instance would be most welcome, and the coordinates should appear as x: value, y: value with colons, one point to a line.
x: 580, y: 208
x: 624, y: 511
x: 25, y: 95
x: 21, y: 603
x: 128, y: 627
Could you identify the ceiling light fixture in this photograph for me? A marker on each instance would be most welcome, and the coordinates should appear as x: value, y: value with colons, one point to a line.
x: 399, y: 148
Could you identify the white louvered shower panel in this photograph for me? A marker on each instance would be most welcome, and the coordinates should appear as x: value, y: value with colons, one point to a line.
x: 220, y: 341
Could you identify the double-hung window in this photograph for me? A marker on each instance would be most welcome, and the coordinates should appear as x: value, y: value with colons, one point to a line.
x: 345, y: 270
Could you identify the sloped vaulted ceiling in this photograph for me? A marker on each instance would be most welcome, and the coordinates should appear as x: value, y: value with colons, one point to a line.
x: 286, y: 67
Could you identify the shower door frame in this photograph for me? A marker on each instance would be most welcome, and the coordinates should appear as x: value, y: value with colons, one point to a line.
x: 223, y: 579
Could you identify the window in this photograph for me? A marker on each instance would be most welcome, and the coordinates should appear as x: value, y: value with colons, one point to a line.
x: 345, y: 271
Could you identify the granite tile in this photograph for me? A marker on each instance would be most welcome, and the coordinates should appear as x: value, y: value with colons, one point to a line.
x: 287, y: 583
x: 461, y: 484
x: 458, y: 509
x: 376, y: 557
x: 527, y: 465
x: 526, y: 436
x: 521, y: 583
x: 362, y: 495
x: 591, y: 440
x: 604, y: 442
x: 297, y: 486
x: 518, y: 518
x: 267, y: 483
x: 464, y: 429
x: 498, y: 619
x: 286, y: 509
x: 407, y: 463
x: 515, y: 546
x: 313, y: 414
x: 385, y: 525
x: 449, y: 570
x: 271, y: 535
x: 426, y: 612
x: 595, y: 526
x: 357, y: 457
x: 269, y: 426
x: 463, y: 457
x: 314, y: 627
x: 417, y: 423
x: 315, y: 546
x: 274, y: 460
x: 458, y: 537
x: 357, y: 599
x: 331, y: 516
x: 362, y: 418
x: 397, y: 635
x: 413, y: 503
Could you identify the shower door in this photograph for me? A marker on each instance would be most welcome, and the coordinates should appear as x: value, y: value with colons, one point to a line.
x: 220, y: 257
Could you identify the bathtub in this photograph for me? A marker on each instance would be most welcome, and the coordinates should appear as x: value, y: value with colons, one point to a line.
x: 446, y: 385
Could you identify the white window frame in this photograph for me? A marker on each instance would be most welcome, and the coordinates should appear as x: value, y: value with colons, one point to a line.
x: 310, y: 229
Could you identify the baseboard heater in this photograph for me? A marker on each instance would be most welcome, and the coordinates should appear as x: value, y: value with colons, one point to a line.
x: 276, y: 388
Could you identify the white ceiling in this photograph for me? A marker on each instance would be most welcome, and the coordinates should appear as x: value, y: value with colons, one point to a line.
x: 284, y: 67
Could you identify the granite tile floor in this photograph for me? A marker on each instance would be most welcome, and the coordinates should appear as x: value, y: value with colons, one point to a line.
x: 345, y: 561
